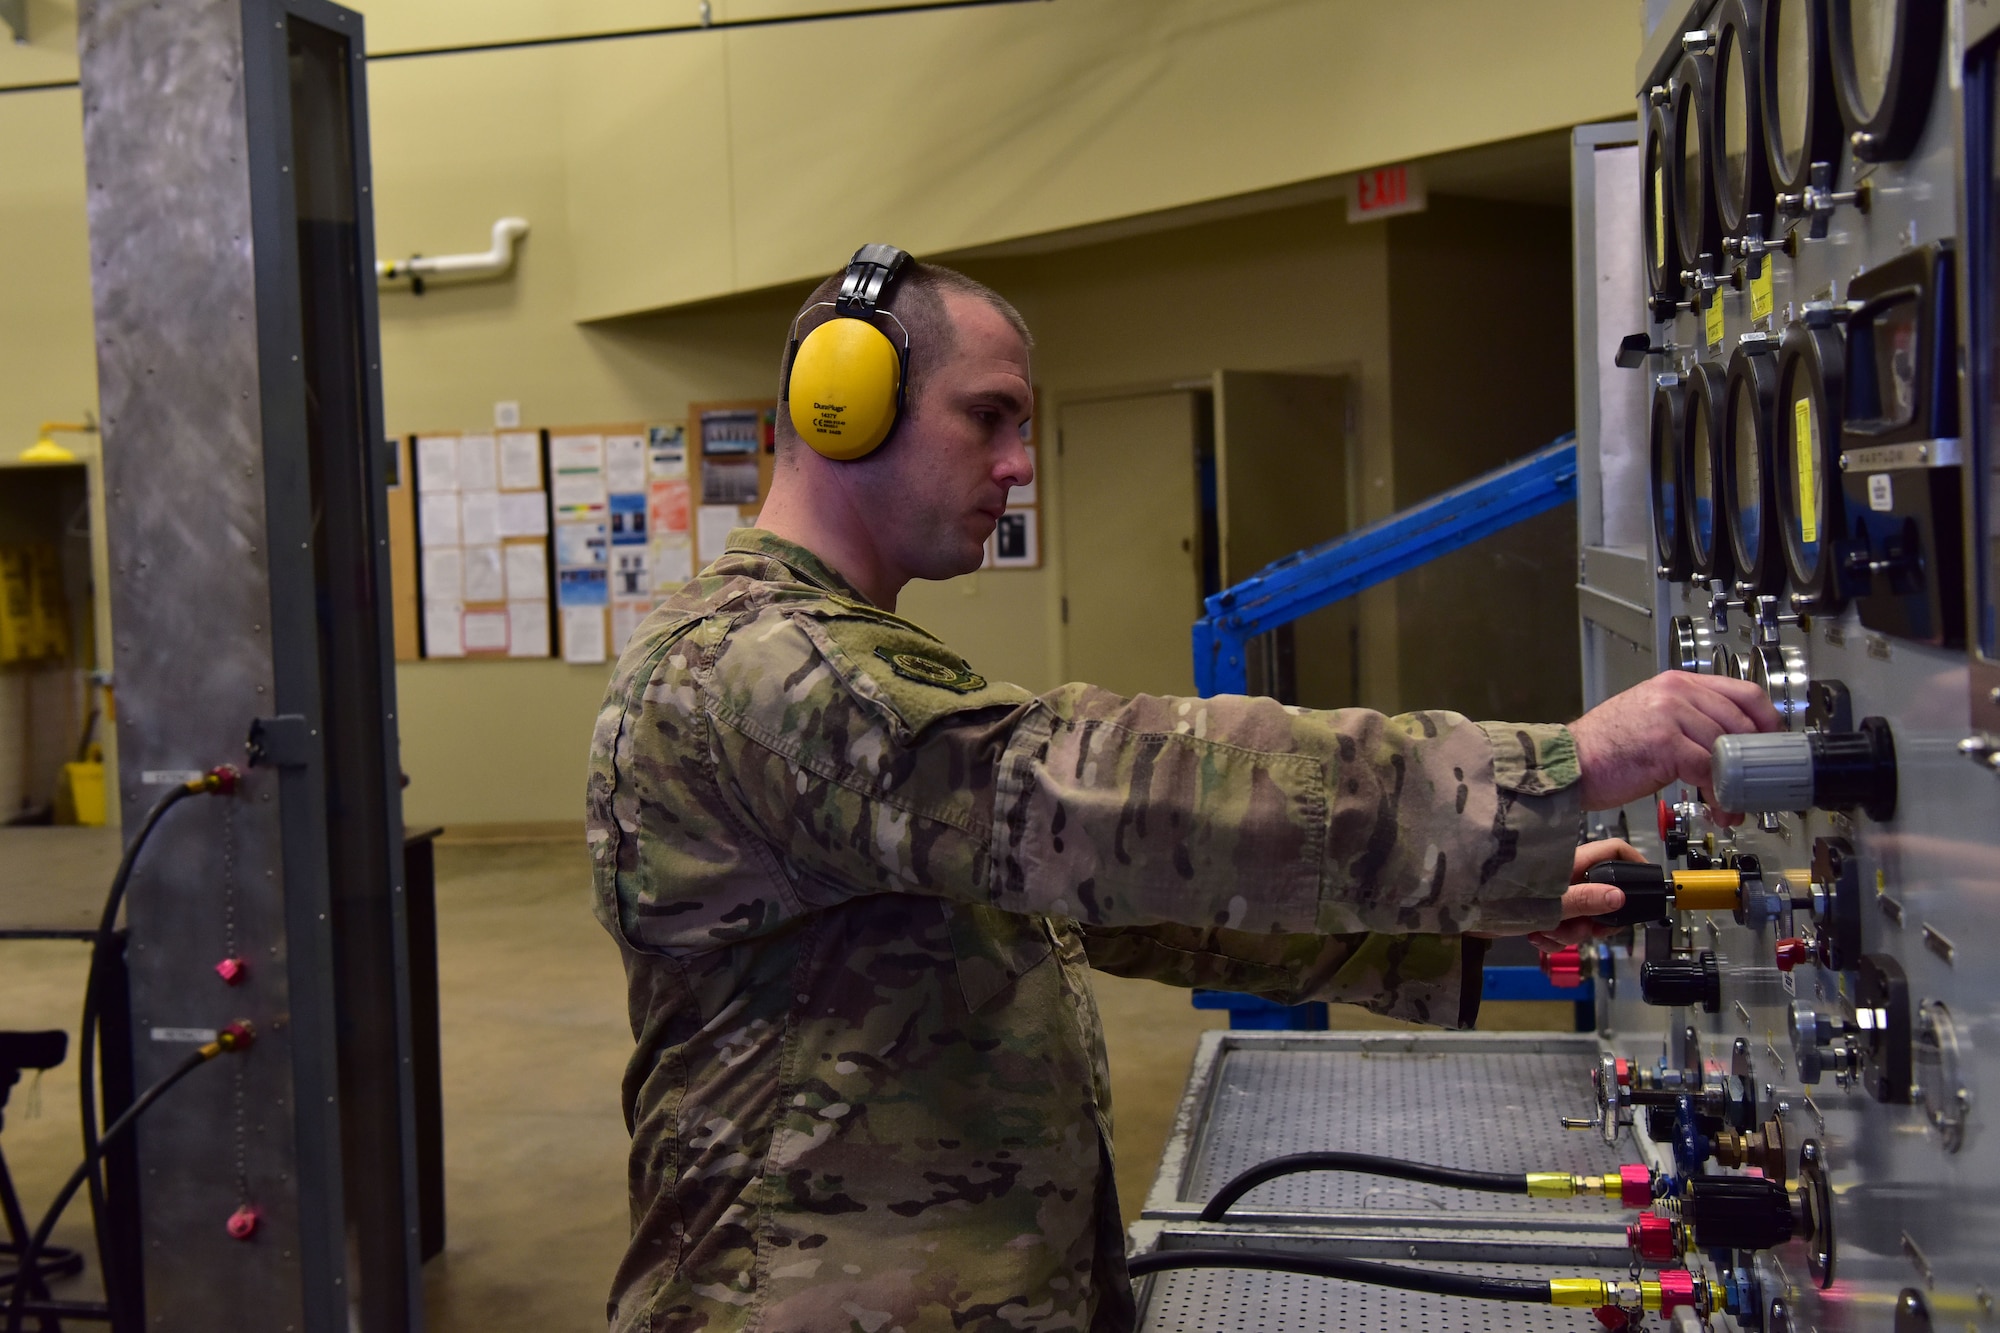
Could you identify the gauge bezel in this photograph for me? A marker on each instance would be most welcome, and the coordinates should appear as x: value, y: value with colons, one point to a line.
x: 1663, y: 269
x: 1665, y: 431
x: 1813, y: 350
x: 1821, y: 141
x: 1739, y: 37
x: 1698, y: 230
x: 1892, y: 130
x: 1759, y: 570
x: 1706, y: 384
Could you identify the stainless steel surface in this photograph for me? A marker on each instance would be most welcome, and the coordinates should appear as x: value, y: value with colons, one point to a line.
x: 1914, y: 1185
x: 1478, y: 1101
x: 212, y: 539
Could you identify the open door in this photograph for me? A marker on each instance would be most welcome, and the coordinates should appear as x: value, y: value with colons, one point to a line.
x: 1281, y: 450
x: 1131, y: 530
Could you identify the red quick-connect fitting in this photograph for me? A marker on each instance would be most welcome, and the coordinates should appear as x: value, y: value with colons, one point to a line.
x: 1652, y: 1239
x: 232, y: 971
x: 223, y: 779
x: 1564, y: 968
x: 1635, y: 1186
x: 242, y: 1223
x: 1676, y: 1291
x: 1790, y: 953
x: 1624, y: 1072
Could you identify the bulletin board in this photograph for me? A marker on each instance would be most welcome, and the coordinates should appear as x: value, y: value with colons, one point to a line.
x: 481, y: 527
x: 732, y: 447
x: 623, y: 537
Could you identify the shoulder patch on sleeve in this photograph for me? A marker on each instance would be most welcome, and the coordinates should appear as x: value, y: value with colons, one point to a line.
x: 901, y: 670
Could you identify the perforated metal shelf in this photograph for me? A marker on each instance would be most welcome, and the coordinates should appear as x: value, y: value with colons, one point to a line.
x: 1488, y: 1104
x: 1207, y: 1300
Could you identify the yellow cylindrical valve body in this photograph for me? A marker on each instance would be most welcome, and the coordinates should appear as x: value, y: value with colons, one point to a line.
x: 1552, y: 1184
x: 1708, y: 890
x: 1587, y: 1292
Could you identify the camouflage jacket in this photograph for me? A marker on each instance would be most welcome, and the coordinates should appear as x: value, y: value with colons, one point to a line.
x: 857, y: 888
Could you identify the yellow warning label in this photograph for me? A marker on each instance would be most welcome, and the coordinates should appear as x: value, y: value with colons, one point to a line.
x: 1761, y: 298
x: 1712, y: 318
x: 1805, y: 453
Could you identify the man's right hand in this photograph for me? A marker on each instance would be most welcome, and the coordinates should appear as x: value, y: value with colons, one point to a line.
x: 1659, y: 732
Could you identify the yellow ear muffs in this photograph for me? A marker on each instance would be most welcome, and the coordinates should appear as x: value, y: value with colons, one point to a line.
x: 845, y: 379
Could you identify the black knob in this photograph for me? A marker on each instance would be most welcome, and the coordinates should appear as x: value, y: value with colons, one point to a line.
x: 1738, y: 1212
x: 1647, y: 892
x: 1683, y: 982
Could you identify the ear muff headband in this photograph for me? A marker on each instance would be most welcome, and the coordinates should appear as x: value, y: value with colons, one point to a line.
x: 844, y: 388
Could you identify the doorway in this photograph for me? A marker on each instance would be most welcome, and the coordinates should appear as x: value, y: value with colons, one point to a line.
x: 1168, y: 495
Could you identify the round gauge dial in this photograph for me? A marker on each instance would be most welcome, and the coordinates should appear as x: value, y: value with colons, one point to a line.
x: 1749, y: 503
x: 1811, y: 505
x: 1660, y: 188
x: 1669, y: 470
x: 1801, y: 125
x: 1701, y: 453
x: 1742, y: 179
x: 1885, y: 69
x: 1699, y: 231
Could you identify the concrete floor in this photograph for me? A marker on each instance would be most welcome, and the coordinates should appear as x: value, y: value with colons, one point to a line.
x: 535, y: 1039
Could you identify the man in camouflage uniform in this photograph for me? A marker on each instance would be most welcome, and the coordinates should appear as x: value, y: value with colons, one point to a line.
x: 858, y: 887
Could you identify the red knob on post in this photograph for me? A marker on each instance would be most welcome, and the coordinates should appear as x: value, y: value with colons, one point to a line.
x: 1635, y: 1185
x: 242, y: 1223
x: 1652, y: 1239
x: 1790, y: 953
x: 1666, y: 813
x: 1564, y: 968
x: 1676, y: 1291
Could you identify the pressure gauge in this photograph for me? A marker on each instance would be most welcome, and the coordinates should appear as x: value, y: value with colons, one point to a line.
x: 1742, y: 178
x: 1801, y: 123
x: 1749, y: 499
x: 1660, y: 188
x: 1811, y: 510
x: 1698, y: 231
x: 1701, y: 457
x: 1885, y: 68
x: 1669, y: 473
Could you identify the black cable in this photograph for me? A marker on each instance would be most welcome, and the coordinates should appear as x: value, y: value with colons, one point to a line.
x: 31, y: 1256
x: 1492, y: 1182
x: 1532, y: 1290
x: 100, y: 952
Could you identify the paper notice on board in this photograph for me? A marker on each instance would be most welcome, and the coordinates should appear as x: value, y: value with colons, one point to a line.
x: 667, y: 507
x: 520, y: 461
x: 443, y: 629
x: 528, y: 629
x: 527, y: 571
x: 625, y: 462
x: 437, y: 463
x: 437, y: 518
x: 673, y: 563
x: 524, y: 514
x: 714, y: 524
x: 479, y: 518
x: 476, y: 468
x: 484, y: 579
x: 444, y: 574
x: 581, y: 545
x: 580, y: 491
x: 582, y: 587
x: 583, y: 633
x: 486, y: 631
x: 625, y: 618
x: 576, y: 453
x: 630, y: 572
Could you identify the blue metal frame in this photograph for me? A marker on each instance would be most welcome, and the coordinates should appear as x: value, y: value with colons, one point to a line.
x: 1335, y: 570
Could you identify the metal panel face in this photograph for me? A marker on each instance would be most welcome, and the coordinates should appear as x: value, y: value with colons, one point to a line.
x: 1914, y: 1176
x: 241, y: 514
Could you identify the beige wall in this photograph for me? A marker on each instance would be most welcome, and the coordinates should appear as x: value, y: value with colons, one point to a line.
x: 627, y: 157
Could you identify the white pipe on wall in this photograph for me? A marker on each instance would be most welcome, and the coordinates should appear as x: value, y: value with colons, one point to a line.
x: 419, y: 269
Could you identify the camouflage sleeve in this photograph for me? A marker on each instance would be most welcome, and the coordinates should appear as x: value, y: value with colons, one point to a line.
x: 868, y: 756
x: 1422, y: 978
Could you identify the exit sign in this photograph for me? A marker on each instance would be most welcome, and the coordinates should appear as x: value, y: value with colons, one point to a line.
x: 1385, y: 192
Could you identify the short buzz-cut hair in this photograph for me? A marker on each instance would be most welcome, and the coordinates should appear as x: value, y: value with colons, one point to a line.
x: 917, y: 299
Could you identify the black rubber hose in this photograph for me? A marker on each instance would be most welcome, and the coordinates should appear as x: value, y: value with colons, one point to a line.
x: 31, y: 1256
x: 1492, y: 1182
x: 1532, y: 1290
x: 100, y: 951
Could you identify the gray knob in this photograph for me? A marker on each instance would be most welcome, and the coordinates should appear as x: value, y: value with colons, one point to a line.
x: 1758, y: 773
